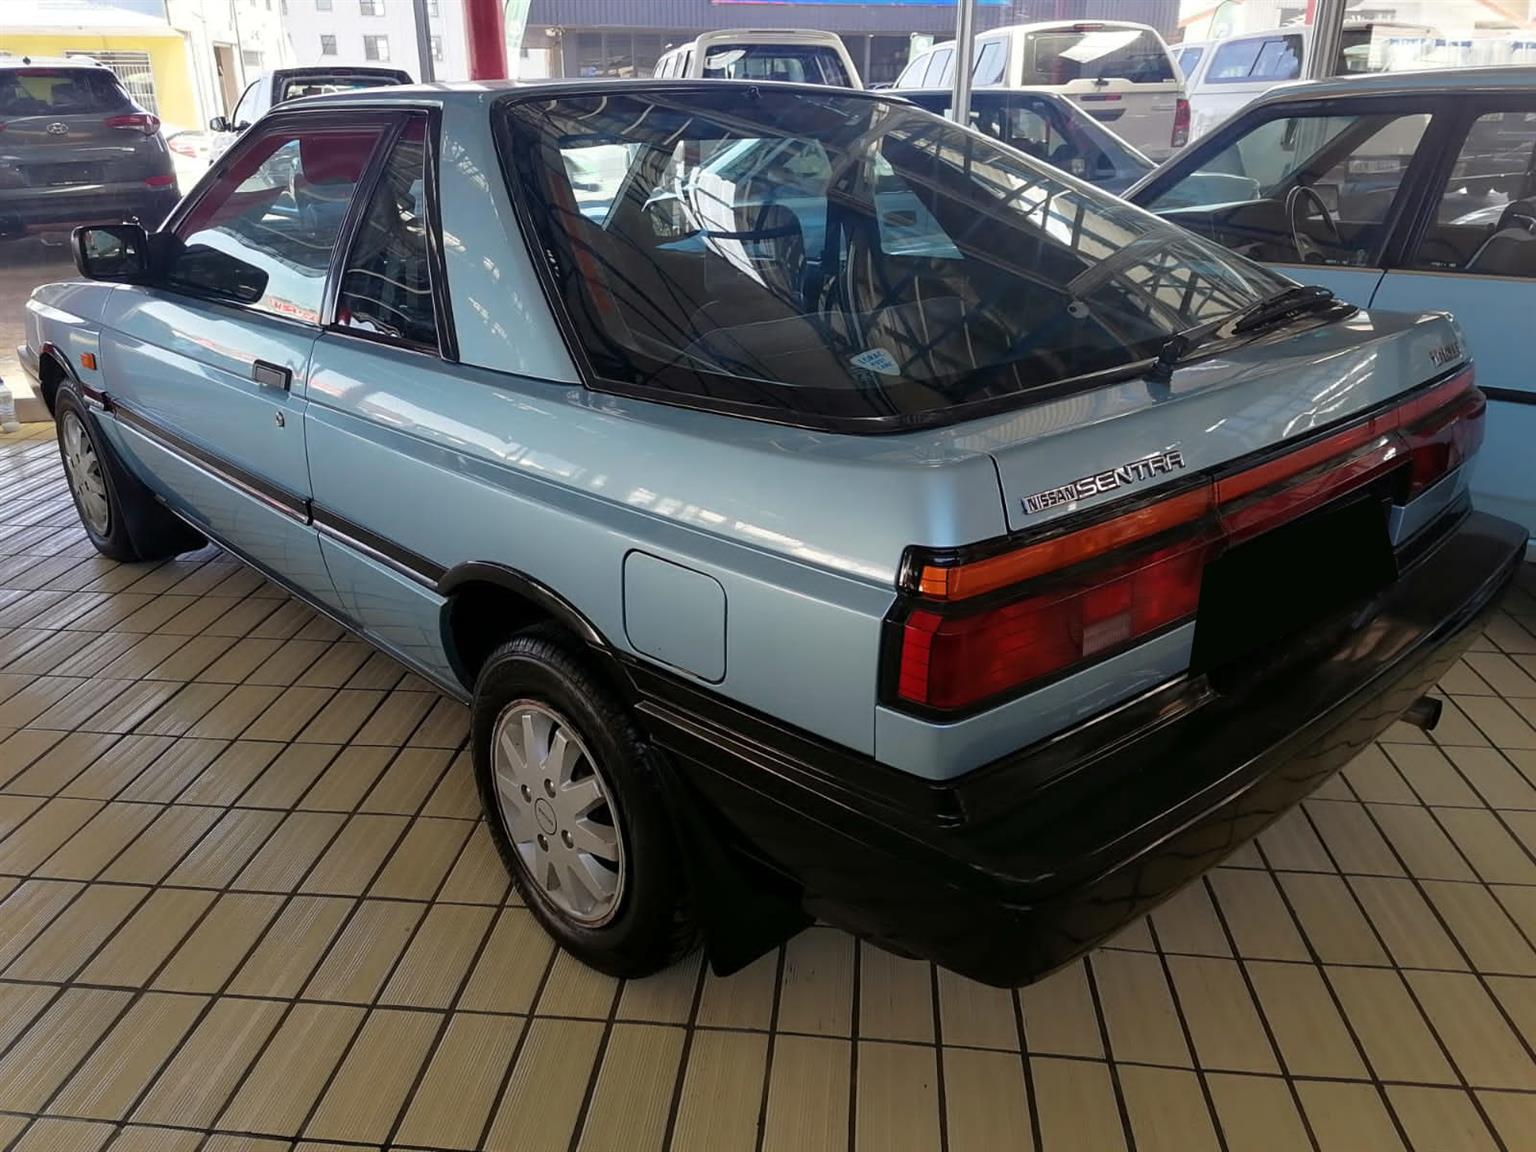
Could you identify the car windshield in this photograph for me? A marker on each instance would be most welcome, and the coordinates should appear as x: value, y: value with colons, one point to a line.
x: 795, y: 63
x: 1096, y: 53
x: 321, y: 85
x: 812, y: 258
x: 59, y: 91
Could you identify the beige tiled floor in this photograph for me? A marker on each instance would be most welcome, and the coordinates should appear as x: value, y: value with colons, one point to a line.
x: 245, y: 905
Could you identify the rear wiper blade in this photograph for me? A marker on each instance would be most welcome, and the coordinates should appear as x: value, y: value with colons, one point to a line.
x: 1288, y: 302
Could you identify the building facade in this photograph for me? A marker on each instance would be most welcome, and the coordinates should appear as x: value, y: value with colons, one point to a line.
x: 625, y: 37
x: 184, y: 60
x: 377, y: 32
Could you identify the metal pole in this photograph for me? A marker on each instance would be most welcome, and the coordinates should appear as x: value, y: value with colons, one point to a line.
x: 485, y: 27
x: 1327, y: 39
x: 423, y: 42
x: 960, y: 98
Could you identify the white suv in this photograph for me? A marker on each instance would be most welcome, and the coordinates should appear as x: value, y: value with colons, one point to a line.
x: 798, y: 55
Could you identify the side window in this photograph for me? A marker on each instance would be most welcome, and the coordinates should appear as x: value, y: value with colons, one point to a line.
x: 1315, y: 189
x: 387, y: 287
x: 263, y: 232
x: 1485, y: 221
x: 989, y: 63
x: 1279, y: 59
x: 912, y: 75
x: 1233, y: 61
x: 245, y: 110
x: 938, y: 68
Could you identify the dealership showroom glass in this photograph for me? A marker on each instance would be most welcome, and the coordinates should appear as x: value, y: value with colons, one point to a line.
x: 699, y: 575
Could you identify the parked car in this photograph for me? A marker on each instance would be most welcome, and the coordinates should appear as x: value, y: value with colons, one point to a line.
x: 1119, y: 73
x: 75, y: 148
x: 273, y: 88
x: 795, y: 55
x: 1235, y: 70
x: 1404, y: 191
x: 970, y: 579
x: 191, y: 152
x: 1187, y: 54
x: 1049, y: 127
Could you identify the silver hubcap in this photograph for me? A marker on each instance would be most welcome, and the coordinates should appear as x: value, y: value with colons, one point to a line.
x: 558, y: 811
x: 84, y: 472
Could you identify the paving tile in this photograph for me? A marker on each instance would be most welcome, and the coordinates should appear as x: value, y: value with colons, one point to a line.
x: 282, y: 963
x: 219, y: 944
x: 897, y: 1105
x: 1076, y: 1103
x: 1397, y: 1040
x: 1425, y: 849
x: 975, y: 1015
x: 128, y: 1058
x: 1257, y: 1113
x: 1406, y: 922
x: 1059, y: 1016
x: 1348, y: 1117
x: 633, y: 1093
x: 1167, y: 1110
x: 1352, y: 839
x: 194, y: 1087
x: 1306, y: 1023
x: 347, y: 779
x: 549, y: 1080
x: 434, y: 965
x: 1486, y: 1050
x: 1335, y: 926
x: 1436, y: 1118
x: 226, y: 848
x: 573, y: 989
x: 356, y: 855
x: 808, y: 1095
x: 285, y: 1082
x: 1255, y: 914
x: 1495, y: 855
x: 28, y: 910
x: 47, y: 1052
x: 52, y: 1135
x: 1513, y: 1116
x: 1188, y: 923
x: 405, y: 785
x: 817, y: 991
x: 98, y: 843
x: 365, y: 952
x: 722, y: 1094
x: 421, y: 861
x: 144, y: 942
x: 1223, y: 1020
x: 506, y: 978
x: 896, y: 997
x: 665, y: 998
x: 289, y: 853
x: 150, y: 858
x: 744, y: 999
x: 1482, y: 928
x: 69, y: 942
x: 1138, y: 1009
x: 370, y: 1088
x: 453, y: 1102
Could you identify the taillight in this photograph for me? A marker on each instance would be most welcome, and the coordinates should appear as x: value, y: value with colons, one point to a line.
x: 975, y: 627
x: 1180, y: 123
x: 165, y: 180
x: 141, y: 122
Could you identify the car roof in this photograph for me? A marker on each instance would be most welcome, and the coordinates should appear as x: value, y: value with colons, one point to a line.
x: 472, y: 92
x: 1058, y: 25
x: 82, y: 62
x: 1458, y: 80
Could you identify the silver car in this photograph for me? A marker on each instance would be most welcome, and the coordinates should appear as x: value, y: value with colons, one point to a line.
x: 826, y: 510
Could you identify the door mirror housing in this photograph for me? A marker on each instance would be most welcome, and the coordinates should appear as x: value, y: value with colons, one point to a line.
x: 114, y: 252
x: 220, y: 124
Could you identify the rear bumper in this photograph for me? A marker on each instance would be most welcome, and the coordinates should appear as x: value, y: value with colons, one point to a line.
x: 61, y: 209
x: 1020, y: 866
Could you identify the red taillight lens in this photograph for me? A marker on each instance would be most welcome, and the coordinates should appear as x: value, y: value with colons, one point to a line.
x: 135, y: 122
x: 164, y: 181
x: 1180, y: 123
x: 978, y: 630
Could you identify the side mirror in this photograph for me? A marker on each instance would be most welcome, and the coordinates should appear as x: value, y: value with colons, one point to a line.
x: 114, y: 252
x: 220, y: 124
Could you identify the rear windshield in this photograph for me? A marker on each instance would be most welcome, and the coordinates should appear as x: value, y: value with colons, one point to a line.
x: 320, y: 85
x: 797, y: 64
x: 817, y: 259
x: 59, y: 91
x: 1067, y: 54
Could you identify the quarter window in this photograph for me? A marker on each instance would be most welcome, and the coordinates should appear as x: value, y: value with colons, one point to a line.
x: 386, y: 290
x: 938, y: 67
x: 989, y: 63
x: 263, y: 232
x: 1485, y: 221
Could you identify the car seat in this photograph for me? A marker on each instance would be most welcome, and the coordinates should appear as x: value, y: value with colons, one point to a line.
x: 1511, y: 249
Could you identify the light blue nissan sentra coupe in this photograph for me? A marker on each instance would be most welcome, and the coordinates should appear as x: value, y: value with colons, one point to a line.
x: 827, y: 510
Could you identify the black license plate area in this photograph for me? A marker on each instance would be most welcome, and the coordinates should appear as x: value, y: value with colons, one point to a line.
x: 62, y: 175
x: 1277, y: 585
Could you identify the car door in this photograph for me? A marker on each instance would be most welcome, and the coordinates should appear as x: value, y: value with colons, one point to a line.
x: 1474, y: 254
x: 1319, y: 189
x: 386, y: 356
x: 207, y: 367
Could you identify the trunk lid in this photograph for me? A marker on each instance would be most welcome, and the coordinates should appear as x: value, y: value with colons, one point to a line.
x: 1123, y: 440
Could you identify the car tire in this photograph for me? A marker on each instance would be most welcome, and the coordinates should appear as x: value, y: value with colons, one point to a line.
x: 120, y: 516
x: 622, y: 908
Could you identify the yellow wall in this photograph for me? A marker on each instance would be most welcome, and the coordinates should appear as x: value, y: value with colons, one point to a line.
x: 168, y: 60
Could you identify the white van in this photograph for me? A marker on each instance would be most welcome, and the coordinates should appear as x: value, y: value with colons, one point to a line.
x: 1121, y: 74
x: 1233, y: 71
x: 799, y: 55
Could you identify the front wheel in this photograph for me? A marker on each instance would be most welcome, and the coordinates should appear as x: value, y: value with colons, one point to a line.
x: 575, y: 807
x: 86, y: 471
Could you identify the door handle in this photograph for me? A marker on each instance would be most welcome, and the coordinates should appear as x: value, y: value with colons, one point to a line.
x: 272, y: 375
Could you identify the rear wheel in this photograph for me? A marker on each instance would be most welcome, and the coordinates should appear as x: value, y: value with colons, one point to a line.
x: 575, y: 807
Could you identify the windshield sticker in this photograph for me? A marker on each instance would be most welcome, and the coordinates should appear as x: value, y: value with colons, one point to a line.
x: 877, y: 360
x: 1133, y: 472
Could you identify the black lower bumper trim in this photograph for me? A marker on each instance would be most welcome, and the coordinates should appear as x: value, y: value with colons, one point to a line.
x: 1018, y: 867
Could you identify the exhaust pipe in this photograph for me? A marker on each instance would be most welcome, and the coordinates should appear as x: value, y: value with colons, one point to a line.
x: 1424, y: 713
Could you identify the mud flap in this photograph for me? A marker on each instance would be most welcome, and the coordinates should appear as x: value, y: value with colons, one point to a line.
x: 154, y: 529
x: 744, y: 909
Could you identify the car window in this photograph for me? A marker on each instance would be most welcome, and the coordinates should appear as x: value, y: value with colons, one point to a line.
x: 938, y: 68
x: 814, y: 257
x: 912, y: 75
x: 1312, y: 188
x: 988, y: 68
x: 1189, y: 60
x: 59, y: 92
x: 1485, y: 219
x: 1060, y: 57
x: 1043, y: 129
x: 245, y: 110
x: 262, y: 233
x: 386, y: 289
x: 794, y: 63
x: 1279, y: 59
x: 320, y: 85
x: 1233, y: 62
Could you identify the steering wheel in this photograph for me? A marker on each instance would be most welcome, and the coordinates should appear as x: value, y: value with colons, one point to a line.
x: 1307, y: 250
